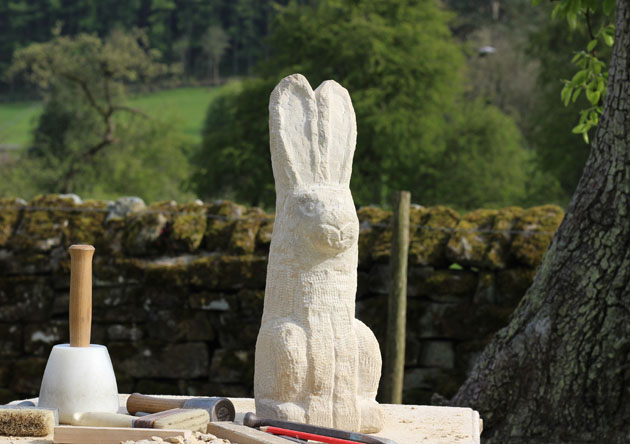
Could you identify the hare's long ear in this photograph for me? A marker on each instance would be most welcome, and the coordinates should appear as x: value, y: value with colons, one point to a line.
x: 295, y: 155
x: 337, y: 131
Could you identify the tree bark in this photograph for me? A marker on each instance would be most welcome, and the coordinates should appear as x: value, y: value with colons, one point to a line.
x: 560, y: 371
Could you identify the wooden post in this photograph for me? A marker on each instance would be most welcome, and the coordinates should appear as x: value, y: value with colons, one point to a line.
x: 397, y: 305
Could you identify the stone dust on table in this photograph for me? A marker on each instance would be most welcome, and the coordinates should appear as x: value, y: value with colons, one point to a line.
x: 196, y: 438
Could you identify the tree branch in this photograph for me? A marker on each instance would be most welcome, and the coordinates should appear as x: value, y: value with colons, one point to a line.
x: 129, y: 110
x: 108, y: 139
x: 86, y: 91
x: 588, y: 22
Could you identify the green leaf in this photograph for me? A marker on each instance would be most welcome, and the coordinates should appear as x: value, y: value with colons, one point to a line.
x: 565, y: 95
x: 576, y: 94
x: 591, y: 45
x: 592, y: 96
x: 579, y: 77
x: 536, y: 2
x: 572, y: 20
x: 577, y: 129
x: 608, y: 39
x: 585, y: 136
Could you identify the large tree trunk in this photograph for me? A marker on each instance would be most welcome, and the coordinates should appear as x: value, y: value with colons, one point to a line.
x: 560, y: 371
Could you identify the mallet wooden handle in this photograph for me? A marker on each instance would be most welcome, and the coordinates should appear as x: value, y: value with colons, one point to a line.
x: 80, y: 294
x: 151, y: 404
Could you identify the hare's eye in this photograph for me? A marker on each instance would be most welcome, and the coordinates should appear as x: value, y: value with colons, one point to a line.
x: 309, y: 208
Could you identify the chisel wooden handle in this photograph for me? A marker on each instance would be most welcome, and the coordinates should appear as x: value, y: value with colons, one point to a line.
x: 80, y: 294
x: 152, y: 404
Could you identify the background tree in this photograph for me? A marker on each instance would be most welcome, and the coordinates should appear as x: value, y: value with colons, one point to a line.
x: 214, y: 43
x: 404, y: 73
x: 85, y: 115
x: 560, y: 371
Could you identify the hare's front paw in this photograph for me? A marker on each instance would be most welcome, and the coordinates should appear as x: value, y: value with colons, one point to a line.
x: 372, y: 418
x: 286, y: 411
x: 369, y: 360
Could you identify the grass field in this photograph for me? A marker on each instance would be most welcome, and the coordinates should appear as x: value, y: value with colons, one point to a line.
x: 16, y: 120
x: 187, y: 105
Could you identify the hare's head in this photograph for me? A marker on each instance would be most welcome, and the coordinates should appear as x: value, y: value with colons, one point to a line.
x: 313, y: 136
x: 324, y: 218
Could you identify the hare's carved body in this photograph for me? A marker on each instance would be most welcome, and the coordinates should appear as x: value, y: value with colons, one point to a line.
x: 315, y: 362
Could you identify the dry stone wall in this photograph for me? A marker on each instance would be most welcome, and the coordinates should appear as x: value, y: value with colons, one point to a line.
x: 179, y: 288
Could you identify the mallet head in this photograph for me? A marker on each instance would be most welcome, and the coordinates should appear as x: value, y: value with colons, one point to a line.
x: 219, y: 408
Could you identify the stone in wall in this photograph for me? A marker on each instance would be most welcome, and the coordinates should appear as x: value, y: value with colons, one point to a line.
x: 483, y: 238
x: 429, y: 235
x: 124, y: 332
x: 25, y: 299
x: 263, y: 237
x: 245, y: 232
x: 188, y: 227
x: 27, y: 375
x: 426, y: 319
x: 421, y: 383
x: 6, y: 394
x: 11, y: 340
x: 4, y: 373
x: 180, y: 325
x: 238, y: 328
x: 10, y: 213
x: 374, y: 234
x: 210, y: 388
x: 161, y: 386
x: 222, y: 217
x: 473, y: 321
x: 152, y: 359
x: 143, y: 230
x: 58, y: 220
x: 23, y: 263
x: 232, y: 366
x: 87, y: 224
x: 118, y: 213
x: 511, y: 285
x: 528, y: 248
x: 441, y: 285
x: 211, y: 301
x: 166, y: 227
x: 210, y: 271
x: 466, y: 354
x: 40, y: 338
x: 438, y: 353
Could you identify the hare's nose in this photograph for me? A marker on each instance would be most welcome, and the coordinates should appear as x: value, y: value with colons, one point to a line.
x: 332, y: 232
x: 347, y: 231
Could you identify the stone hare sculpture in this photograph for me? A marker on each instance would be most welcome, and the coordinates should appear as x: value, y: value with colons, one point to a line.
x: 315, y: 362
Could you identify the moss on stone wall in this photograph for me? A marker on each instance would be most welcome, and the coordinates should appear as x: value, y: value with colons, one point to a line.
x: 44, y: 225
x: 374, y: 234
x: 10, y: 212
x: 482, y: 238
x: 538, y: 225
x: 430, y: 234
